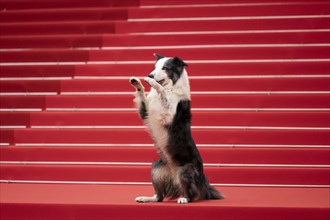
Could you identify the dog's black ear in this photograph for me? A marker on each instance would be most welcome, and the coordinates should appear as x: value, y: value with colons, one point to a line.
x: 158, y: 57
x: 179, y: 62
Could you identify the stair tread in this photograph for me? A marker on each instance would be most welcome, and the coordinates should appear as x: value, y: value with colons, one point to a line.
x: 118, y: 201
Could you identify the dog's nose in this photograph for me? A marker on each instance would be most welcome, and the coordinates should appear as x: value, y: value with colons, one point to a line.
x: 151, y: 76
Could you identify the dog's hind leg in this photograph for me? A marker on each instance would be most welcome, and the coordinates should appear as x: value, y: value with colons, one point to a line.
x: 140, y: 97
x: 187, y: 175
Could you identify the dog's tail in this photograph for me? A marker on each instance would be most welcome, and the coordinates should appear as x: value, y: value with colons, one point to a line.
x: 210, y: 192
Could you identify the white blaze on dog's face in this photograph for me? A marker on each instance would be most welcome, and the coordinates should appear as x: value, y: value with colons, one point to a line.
x: 167, y: 69
x: 159, y: 73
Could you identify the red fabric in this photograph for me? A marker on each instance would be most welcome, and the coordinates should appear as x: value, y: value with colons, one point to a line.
x: 187, y: 54
x: 198, y: 101
x: 123, y: 173
x: 122, y: 85
x: 217, y: 69
x: 263, y: 24
x: 233, y: 10
x: 81, y: 40
x: 182, y: 2
x: 40, y: 4
x: 214, y: 38
x: 235, y: 155
x: 65, y: 14
x: 201, y: 136
x: 117, y: 202
x: 200, y: 118
x: 65, y: 24
x: 74, y: 27
x: 37, y: 71
x: 52, y: 41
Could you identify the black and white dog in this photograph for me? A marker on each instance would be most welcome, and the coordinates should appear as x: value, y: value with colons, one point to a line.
x: 166, y: 112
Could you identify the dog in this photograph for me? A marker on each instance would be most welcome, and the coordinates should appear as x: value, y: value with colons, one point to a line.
x: 178, y: 173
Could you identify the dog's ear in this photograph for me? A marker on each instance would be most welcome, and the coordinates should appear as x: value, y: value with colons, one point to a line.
x: 179, y: 62
x: 158, y: 57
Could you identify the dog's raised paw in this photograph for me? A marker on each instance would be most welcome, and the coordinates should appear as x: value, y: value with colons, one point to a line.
x: 183, y: 200
x: 150, y: 81
x: 134, y: 81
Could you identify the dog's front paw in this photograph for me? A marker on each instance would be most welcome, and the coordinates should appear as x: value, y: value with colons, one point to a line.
x: 183, y: 200
x: 150, y: 81
x: 135, y: 82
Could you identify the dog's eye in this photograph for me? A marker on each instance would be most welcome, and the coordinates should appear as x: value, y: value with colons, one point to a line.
x: 165, y: 68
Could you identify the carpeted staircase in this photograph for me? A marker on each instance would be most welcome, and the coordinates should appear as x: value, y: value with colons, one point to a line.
x: 73, y: 147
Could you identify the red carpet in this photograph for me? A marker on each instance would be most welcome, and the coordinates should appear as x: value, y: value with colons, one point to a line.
x: 72, y: 145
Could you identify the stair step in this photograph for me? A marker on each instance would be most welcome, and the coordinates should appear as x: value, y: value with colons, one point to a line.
x: 118, y: 173
x: 73, y: 27
x: 140, y: 136
x: 197, y: 84
x: 200, y: 118
x: 237, y: 155
x: 39, y: 4
x: 118, y: 40
x: 197, y: 69
x: 286, y: 52
x: 73, y: 14
x: 108, y: 13
x: 216, y: 38
x: 98, y: 27
x: 198, y: 101
x: 40, y: 200
x: 225, y: 3
x: 217, y: 25
x: 234, y: 10
x: 54, y: 41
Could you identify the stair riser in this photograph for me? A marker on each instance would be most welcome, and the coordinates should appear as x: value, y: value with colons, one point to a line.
x: 280, y: 119
x: 313, y: 52
x: 98, y: 27
x: 140, y: 136
x: 302, y: 156
x: 58, y: 41
x: 142, y: 174
x: 198, y: 101
x: 122, y: 85
x: 195, y: 69
x: 122, y: 13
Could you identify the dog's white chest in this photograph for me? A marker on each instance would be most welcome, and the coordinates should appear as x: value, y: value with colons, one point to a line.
x: 159, y: 117
x: 158, y: 113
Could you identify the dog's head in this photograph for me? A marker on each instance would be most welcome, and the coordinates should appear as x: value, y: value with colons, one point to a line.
x: 167, y: 69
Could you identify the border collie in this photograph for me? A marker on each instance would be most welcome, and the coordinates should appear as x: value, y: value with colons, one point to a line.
x: 178, y: 173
